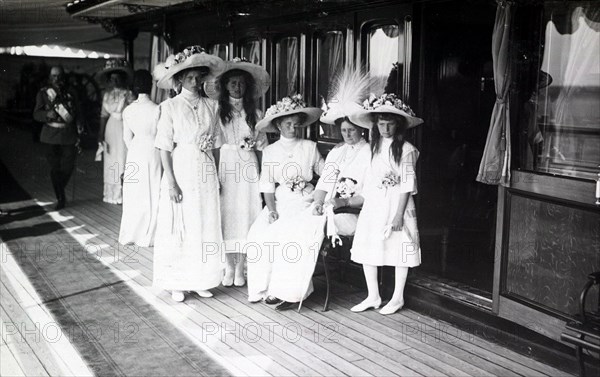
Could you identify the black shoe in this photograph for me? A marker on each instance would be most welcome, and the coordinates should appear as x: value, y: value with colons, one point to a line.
x: 60, y: 205
x: 286, y: 305
x: 272, y: 300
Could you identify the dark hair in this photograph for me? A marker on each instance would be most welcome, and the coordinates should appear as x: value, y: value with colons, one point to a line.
x: 277, y: 121
x: 122, y: 77
x: 225, y: 108
x: 338, y: 122
x: 142, y: 82
x: 397, y: 143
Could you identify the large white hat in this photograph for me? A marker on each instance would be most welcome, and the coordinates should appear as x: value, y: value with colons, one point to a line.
x: 115, y: 65
x: 190, y: 57
x: 345, y: 94
x: 262, y: 79
x: 384, y: 104
x: 288, y: 106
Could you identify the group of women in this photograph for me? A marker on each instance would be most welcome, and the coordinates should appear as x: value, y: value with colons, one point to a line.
x: 205, y: 215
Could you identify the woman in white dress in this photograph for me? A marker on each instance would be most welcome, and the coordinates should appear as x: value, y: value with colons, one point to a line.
x: 287, y: 169
x: 386, y: 233
x: 240, y: 87
x: 141, y: 180
x: 110, y: 136
x: 187, y: 247
x: 343, y: 176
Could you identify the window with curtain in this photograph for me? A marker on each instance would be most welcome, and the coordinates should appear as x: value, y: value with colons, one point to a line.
x: 385, y: 58
x: 251, y: 50
x: 221, y: 50
x: 330, y: 50
x: 562, y: 112
x: 287, y: 50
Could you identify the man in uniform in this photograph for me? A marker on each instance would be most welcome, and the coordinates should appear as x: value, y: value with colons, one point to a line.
x: 56, y: 107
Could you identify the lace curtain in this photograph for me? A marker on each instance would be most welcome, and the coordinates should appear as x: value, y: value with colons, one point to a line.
x: 287, y: 66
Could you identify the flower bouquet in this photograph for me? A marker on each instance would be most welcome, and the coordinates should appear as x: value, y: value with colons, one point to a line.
x: 346, y: 188
x: 296, y: 184
x: 206, y: 142
x: 389, y: 180
x: 248, y: 143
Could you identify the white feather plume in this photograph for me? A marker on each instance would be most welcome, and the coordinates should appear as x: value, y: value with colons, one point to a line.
x: 161, y: 69
x: 350, y: 86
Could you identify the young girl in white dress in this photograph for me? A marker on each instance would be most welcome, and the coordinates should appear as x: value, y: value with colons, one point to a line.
x: 386, y: 233
x: 141, y: 181
x: 287, y: 168
x: 110, y: 135
x: 187, y: 248
x: 240, y: 87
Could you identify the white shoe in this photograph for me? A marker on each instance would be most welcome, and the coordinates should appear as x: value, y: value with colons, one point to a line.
x: 239, y: 281
x: 204, y: 294
x: 227, y: 280
x: 366, y: 304
x: 391, y: 307
x: 177, y: 296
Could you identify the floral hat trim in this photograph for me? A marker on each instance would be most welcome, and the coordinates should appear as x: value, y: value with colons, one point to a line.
x: 286, y: 104
x: 373, y: 102
x: 116, y: 63
x: 187, y: 52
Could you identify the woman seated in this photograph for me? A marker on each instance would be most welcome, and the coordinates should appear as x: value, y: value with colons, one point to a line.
x: 342, y: 178
x: 278, y: 255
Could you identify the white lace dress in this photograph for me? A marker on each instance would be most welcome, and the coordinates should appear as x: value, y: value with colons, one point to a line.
x: 342, y: 162
x: 282, y: 255
x: 372, y: 246
x: 239, y: 174
x: 187, y: 247
x: 113, y: 103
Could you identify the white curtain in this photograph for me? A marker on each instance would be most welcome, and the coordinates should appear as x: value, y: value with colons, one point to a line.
x: 253, y: 50
x: 334, y: 45
x: 384, y: 51
x: 291, y: 47
x: 160, y: 52
x: 581, y: 64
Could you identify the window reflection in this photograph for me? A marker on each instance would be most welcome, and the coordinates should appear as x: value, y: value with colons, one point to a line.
x: 563, y: 130
x: 385, y: 53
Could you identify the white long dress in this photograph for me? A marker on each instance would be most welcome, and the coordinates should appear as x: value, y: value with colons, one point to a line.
x: 370, y: 245
x: 141, y: 182
x: 187, y: 246
x: 280, y: 257
x: 239, y: 174
x: 113, y: 103
x: 342, y: 162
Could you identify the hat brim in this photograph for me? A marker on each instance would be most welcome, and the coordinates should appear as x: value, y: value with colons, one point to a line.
x: 212, y: 62
x: 262, y: 79
x: 105, y: 73
x: 363, y: 117
x: 340, y: 111
x: 312, y: 115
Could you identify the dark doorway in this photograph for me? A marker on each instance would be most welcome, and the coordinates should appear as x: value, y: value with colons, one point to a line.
x: 456, y: 213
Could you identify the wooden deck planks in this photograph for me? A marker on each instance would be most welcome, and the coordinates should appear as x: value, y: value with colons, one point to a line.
x: 358, y: 344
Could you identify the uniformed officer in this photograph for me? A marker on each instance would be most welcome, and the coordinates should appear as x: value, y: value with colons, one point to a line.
x: 56, y: 106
